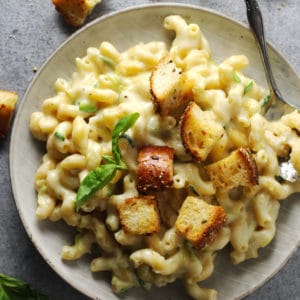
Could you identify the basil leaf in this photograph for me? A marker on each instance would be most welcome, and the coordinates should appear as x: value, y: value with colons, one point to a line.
x: 59, y: 136
x: 128, y: 139
x: 10, y: 281
x: 102, y: 175
x: 248, y: 87
x: 15, y: 289
x: 236, y: 77
x: 109, y: 159
x: 94, y: 181
x: 3, y: 294
x: 87, y: 108
x: 121, y: 127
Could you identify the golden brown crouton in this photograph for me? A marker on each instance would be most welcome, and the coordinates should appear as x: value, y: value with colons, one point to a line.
x: 155, y: 168
x: 237, y: 169
x: 199, y: 131
x: 199, y: 221
x: 75, y: 11
x: 8, y: 101
x: 139, y: 215
x: 166, y: 87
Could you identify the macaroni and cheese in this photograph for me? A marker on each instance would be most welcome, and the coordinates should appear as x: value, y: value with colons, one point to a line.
x: 202, y: 162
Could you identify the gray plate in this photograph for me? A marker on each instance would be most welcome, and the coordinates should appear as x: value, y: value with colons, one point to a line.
x: 124, y: 29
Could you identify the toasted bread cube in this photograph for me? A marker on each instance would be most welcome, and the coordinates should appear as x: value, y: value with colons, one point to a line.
x: 237, y: 169
x: 199, y: 221
x: 8, y: 102
x: 155, y: 168
x: 167, y: 86
x: 75, y: 11
x: 199, y: 131
x: 139, y: 215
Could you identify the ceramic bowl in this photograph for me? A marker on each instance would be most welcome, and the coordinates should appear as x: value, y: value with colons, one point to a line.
x: 124, y: 29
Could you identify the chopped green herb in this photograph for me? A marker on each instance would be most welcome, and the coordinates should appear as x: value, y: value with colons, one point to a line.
x: 236, y: 77
x: 193, y: 190
x: 15, y: 289
x: 102, y: 175
x: 108, y: 61
x: 248, y: 87
x: 89, y: 108
x: 190, y: 250
x: 116, y: 81
x: 143, y: 284
x: 123, y: 290
x: 59, y: 136
x: 265, y: 101
x: 207, y: 249
x: 119, y: 98
x: 212, y: 62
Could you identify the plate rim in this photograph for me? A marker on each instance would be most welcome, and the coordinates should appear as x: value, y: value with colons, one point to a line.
x: 69, y: 39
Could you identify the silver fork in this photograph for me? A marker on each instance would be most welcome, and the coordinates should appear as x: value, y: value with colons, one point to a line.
x: 278, y: 105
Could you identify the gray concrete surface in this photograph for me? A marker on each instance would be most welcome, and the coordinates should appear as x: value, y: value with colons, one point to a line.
x: 30, y: 30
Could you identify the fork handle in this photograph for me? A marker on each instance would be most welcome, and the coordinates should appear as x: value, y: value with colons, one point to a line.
x: 256, y: 23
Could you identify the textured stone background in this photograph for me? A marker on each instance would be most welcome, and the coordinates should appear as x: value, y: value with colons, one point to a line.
x: 30, y: 30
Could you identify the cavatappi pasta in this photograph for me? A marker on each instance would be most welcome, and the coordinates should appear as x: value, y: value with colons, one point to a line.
x: 77, y: 124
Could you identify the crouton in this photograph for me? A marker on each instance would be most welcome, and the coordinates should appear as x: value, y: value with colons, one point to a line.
x: 166, y: 87
x: 237, y: 169
x: 199, y: 131
x: 139, y: 215
x: 199, y: 221
x: 8, y: 101
x: 75, y: 11
x: 155, y: 168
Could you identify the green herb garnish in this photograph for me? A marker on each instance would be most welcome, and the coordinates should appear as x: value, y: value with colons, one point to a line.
x: 108, y: 61
x: 87, y: 108
x: 59, y: 136
x: 128, y: 139
x: 102, y: 175
x: 15, y: 289
x: 193, y: 190
x: 212, y: 62
x: 190, y: 251
x: 143, y: 284
x: 248, y: 87
x: 236, y: 77
x: 121, y: 127
x: 116, y: 82
x: 263, y: 102
x: 94, y: 181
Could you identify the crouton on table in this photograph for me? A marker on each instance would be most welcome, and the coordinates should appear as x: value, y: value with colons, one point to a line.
x: 75, y: 11
x: 8, y: 101
x: 199, y: 222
